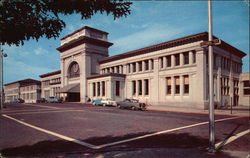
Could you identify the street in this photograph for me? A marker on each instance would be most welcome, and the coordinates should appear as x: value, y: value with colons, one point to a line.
x: 71, y: 130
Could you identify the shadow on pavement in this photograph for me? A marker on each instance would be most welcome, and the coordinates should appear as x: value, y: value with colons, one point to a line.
x: 170, y: 145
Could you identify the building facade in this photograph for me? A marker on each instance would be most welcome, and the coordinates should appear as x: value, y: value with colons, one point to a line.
x: 173, y: 73
x: 51, y: 83
x: 244, y: 89
x: 29, y: 90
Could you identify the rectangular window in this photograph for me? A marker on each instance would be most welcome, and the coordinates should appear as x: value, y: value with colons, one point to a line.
x: 161, y: 62
x: 94, y: 92
x: 186, y: 84
x: 128, y: 68
x: 146, y: 65
x: 140, y: 65
x: 246, y: 83
x: 134, y: 67
x: 177, y: 59
x: 98, y: 88
x: 246, y: 91
x: 169, y: 61
x: 186, y: 58
x: 117, y: 88
x: 194, y: 57
x: 152, y: 61
x: 177, y: 85
x: 168, y: 81
x: 103, y: 88
x: 140, y: 87
x: 146, y: 85
x: 133, y: 87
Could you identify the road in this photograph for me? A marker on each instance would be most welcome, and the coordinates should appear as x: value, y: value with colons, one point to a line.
x: 52, y: 130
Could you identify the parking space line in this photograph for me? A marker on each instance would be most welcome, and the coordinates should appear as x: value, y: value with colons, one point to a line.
x: 231, y: 139
x: 43, y: 106
x: 161, y: 132
x: 51, y: 133
x: 42, y: 112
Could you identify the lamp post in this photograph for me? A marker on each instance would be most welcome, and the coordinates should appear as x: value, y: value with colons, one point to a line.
x: 211, y: 81
x: 2, y: 55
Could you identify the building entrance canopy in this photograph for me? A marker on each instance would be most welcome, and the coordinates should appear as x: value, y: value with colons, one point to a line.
x: 70, y: 88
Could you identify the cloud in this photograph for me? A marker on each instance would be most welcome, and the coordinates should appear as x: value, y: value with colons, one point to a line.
x: 152, y: 34
x: 17, y: 70
x: 40, y: 51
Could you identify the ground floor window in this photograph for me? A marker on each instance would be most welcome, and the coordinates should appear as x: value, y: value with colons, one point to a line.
x: 133, y: 87
x: 177, y: 85
x: 168, y: 81
x: 186, y: 84
x: 94, y: 92
x: 117, y: 88
x: 139, y: 87
x: 146, y: 84
x: 103, y: 88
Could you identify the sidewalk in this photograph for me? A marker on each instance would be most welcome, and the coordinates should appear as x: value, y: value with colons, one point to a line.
x: 236, y: 111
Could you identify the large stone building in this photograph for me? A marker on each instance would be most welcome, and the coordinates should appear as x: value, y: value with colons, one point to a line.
x: 244, y: 89
x: 29, y: 90
x: 169, y: 73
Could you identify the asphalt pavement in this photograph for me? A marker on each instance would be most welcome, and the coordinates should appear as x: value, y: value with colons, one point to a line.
x: 82, y: 130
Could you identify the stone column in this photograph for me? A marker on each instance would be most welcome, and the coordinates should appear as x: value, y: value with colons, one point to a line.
x: 181, y: 85
x: 172, y: 61
x: 143, y: 87
x: 137, y: 67
x: 121, y: 69
x: 131, y: 68
x: 172, y: 86
x: 181, y: 59
x: 164, y: 62
x: 143, y: 66
x: 190, y: 57
x: 150, y: 64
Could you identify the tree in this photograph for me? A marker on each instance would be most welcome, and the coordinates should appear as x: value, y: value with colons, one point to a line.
x: 21, y: 20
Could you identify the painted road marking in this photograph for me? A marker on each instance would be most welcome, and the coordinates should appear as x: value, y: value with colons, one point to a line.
x: 51, y: 133
x: 113, y: 143
x: 43, y: 106
x: 44, y: 112
x: 231, y: 139
x: 161, y: 132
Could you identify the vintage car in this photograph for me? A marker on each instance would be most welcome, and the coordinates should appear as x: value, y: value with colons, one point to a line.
x: 108, y: 102
x: 53, y: 100
x: 18, y: 100
x: 131, y: 104
x: 97, y: 102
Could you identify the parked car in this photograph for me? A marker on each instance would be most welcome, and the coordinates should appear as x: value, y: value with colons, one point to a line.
x: 53, y: 100
x: 109, y: 102
x: 18, y: 100
x: 97, y: 102
x: 131, y: 104
x: 42, y: 100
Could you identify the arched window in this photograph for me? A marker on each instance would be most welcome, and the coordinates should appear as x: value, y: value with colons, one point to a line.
x: 74, y: 70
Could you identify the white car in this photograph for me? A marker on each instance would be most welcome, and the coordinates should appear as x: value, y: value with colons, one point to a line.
x: 109, y: 102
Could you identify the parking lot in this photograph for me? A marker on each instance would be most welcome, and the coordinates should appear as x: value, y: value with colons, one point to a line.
x: 68, y: 128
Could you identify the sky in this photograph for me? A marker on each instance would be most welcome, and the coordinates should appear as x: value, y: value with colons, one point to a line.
x: 150, y: 22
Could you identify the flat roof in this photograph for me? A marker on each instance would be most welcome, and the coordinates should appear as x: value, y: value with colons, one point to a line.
x: 50, y: 73
x: 28, y: 81
x: 173, y: 43
x: 85, y: 27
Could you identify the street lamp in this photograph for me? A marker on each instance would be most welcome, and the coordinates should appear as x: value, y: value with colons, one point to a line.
x: 2, y: 55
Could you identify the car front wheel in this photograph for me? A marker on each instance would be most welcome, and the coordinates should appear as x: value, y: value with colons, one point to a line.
x: 133, y: 108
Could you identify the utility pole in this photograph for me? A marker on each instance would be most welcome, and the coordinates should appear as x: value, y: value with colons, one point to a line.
x: 211, y: 81
x: 2, y: 55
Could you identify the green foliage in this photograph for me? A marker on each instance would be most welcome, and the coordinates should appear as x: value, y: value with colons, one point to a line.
x: 21, y: 20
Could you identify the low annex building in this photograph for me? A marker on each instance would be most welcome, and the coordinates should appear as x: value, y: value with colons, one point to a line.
x: 169, y: 73
x: 29, y: 90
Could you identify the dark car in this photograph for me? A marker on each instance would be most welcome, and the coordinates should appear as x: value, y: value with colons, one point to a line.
x: 131, y: 104
x: 18, y: 100
x: 41, y: 100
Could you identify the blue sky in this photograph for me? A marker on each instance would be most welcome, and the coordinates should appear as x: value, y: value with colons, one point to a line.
x: 150, y: 22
